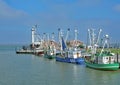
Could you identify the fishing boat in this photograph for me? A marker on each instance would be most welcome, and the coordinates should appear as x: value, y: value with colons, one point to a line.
x: 103, y: 60
x: 35, y: 47
x: 69, y: 55
x: 50, y: 54
x: 39, y: 52
x: 50, y: 51
x: 37, y: 42
x: 24, y: 50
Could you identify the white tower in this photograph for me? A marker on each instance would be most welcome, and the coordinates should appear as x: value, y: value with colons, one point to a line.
x: 33, y: 37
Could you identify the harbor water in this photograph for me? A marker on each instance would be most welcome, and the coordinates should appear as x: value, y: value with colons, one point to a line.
x: 27, y: 69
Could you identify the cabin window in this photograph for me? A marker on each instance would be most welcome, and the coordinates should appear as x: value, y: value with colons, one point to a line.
x: 107, y: 58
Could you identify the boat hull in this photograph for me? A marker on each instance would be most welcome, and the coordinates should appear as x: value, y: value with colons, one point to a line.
x: 107, y: 67
x: 39, y: 53
x: 70, y: 60
x: 49, y: 56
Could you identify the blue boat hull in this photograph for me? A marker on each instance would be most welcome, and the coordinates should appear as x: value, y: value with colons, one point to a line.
x: 71, y: 60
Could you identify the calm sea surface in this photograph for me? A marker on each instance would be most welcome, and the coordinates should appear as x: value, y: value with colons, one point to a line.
x: 21, y: 69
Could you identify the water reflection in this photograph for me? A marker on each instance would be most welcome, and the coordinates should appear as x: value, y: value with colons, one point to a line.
x: 97, y: 77
x: 34, y: 70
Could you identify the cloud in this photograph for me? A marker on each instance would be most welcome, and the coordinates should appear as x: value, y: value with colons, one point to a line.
x: 60, y: 12
x: 117, y: 8
x: 56, y: 14
x: 8, y: 12
x: 11, y: 18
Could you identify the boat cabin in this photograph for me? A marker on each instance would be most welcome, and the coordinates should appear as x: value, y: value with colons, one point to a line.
x: 105, y: 58
x: 51, y: 51
x: 75, y: 53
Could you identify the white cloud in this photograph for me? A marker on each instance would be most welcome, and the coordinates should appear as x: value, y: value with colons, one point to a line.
x: 10, y: 16
x: 8, y: 12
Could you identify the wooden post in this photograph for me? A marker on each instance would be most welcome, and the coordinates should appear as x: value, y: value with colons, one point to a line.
x: 117, y: 58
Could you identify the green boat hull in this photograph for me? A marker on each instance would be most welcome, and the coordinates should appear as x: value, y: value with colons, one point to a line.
x: 49, y: 56
x: 107, y: 67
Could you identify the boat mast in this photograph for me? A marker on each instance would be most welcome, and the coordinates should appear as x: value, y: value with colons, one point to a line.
x: 100, y: 30
x: 53, y: 36
x: 48, y: 41
x: 53, y: 42
x: 93, y: 40
x: 59, y: 36
x: 44, y: 41
x: 106, y: 42
x: 67, y: 34
x: 33, y: 35
x: 60, y: 40
x: 89, y: 33
x: 76, y: 34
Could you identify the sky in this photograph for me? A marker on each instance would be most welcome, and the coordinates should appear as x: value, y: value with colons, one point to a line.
x: 18, y: 16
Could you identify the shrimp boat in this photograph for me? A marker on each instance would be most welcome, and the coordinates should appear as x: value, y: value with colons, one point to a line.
x: 36, y: 42
x: 36, y: 45
x: 103, y: 60
x: 69, y: 55
x: 50, y: 51
x: 50, y: 54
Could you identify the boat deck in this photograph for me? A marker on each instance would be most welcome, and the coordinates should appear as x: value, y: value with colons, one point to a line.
x: 25, y: 51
